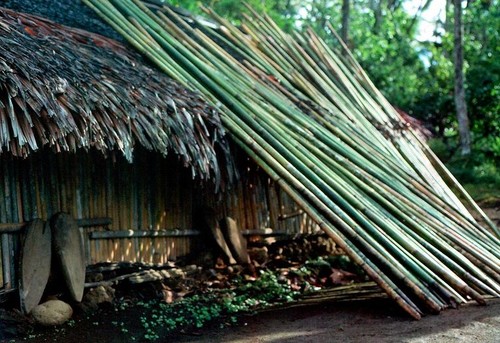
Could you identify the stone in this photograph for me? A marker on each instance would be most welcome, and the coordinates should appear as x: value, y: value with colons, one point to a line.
x: 191, y: 269
x: 165, y: 274
x: 52, y: 313
x: 97, y: 296
x: 146, y: 276
x: 260, y: 255
x: 177, y: 273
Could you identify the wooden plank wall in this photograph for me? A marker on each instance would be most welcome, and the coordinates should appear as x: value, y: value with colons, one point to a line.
x: 9, y: 201
x: 257, y: 203
x: 153, y: 193
x: 1, y: 269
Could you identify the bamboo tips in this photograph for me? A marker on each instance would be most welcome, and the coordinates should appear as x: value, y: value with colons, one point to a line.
x: 311, y: 118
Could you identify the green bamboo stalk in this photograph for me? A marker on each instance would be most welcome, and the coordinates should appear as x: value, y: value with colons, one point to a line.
x: 377, y: 275
x: 349, y: 203
x: 438, y: 164
x: 415, y: 227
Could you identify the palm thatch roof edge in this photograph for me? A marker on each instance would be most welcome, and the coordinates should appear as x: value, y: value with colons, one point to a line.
x: 70, y: 89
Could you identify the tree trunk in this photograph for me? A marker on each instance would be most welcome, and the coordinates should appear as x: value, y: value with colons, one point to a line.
x: 447, y: 18
x: 378, y: 16
x: 460, y: 105
x: 345, y: 21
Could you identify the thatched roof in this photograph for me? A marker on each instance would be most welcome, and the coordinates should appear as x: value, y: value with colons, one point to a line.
x: 70, y: 89
x: 72, y: 13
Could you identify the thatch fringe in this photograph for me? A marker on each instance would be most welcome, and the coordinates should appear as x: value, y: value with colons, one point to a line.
x: 70, y: 89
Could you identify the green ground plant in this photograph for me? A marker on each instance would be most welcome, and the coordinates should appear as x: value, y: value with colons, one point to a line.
x: 195, y: 312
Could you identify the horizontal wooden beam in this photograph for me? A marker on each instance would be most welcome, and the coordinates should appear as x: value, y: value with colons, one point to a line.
x: 83, y: 222
x: 11, y: 227
x: 146, y: 233
x: 290, y: 215
x: 91, y: 222
x: 170, y: 233
x: 265, y: 233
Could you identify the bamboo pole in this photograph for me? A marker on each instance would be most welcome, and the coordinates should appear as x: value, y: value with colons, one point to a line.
x: 334, y: 144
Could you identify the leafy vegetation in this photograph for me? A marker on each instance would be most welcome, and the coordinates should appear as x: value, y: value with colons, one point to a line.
x: 415, y: 75
x: 196, y: 311
x: 479, y: 173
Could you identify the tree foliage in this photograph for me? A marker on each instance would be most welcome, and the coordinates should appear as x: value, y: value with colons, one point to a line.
x: 416, y: 76
x: 283, y: 12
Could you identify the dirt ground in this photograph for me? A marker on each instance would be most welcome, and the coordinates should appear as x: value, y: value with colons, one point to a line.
x: 369, y: 321
x: 362, y: 321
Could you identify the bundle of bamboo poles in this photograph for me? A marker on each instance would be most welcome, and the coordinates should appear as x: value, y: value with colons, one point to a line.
x: 311, y: 118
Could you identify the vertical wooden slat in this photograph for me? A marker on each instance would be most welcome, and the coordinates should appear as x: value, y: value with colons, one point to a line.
x: 134, y: 199
x: 241, y: 203
x: 7, y: 191
x: 36, y: 176
x: 4, y: 272
x: 255, y: 196
x: 1, y: 265
x: 60, y: 183
x: 102, y: 188
x: 40, y: 188
x: 169, y: 202
x: 91, y: 170
x: 138, y: 202
x: 141, y: 244
x: 91, y: 250
x: 187, y: 202
x: 17, y: 212
x: 258, y: 205
x: 9, y: 243
x: 53, y: 184
x: 108, y: 189
x: 3, y: 189
x: 32, y: 193
x: 163, y: 199
x: 73, y: 185
x: 141, y: 182
x: 151, y: 201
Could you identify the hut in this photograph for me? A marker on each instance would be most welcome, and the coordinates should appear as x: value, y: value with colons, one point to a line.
x: 307, y: 118
x: 88, y: 128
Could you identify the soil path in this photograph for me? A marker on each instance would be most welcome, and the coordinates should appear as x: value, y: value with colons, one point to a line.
x: 376, y: 321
